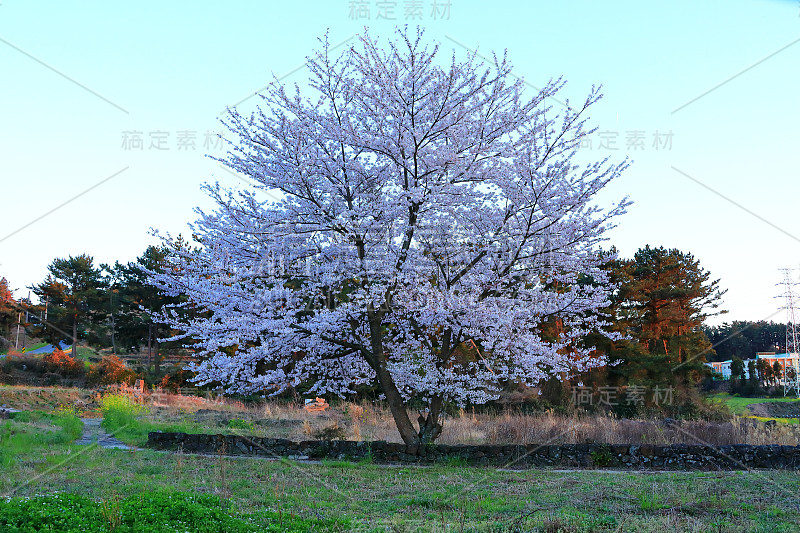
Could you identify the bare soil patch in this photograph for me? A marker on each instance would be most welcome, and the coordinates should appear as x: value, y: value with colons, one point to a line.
x: 776, y: 409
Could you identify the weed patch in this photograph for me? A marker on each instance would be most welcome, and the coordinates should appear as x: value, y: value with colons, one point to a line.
x: 158, y: 511
x: 31, y: 430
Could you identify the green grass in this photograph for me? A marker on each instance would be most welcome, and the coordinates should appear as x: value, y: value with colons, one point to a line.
x: 738, y: 405
x: 159, y: 511
x: 367, y: 497
x: 35, y: 429
x: 85, y: 353
x: 361, y: 496
x: 238, y: 423
x: 124, y: 419
x: 35, y: 346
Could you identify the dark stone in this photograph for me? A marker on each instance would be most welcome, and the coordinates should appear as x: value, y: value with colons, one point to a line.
x: 679, y: 456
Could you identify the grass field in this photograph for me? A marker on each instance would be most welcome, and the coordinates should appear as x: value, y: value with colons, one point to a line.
x: 368, y: 421
x: 739, y: 405
x: 36, y: 346
x: 84, y: 353
x: 37, y: 458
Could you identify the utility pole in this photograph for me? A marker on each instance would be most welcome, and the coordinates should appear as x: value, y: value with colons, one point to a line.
x: 19, y: 323
x: 27, y: 320
x: 111, y: 308
x: 791, y: 380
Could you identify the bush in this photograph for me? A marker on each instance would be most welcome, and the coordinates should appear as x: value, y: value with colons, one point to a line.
x: 332, y: 432
x: 119, y: 411
x: 62, y: 364
x: 28, y: 363
x: 602, y: 457
x: 51, y: 379
x: 109, y: 371
x: 238, y: 423
x: 177, y: 379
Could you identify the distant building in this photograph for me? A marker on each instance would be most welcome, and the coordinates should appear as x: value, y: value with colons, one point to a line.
x: 786, y: 360
x: 723, y: 368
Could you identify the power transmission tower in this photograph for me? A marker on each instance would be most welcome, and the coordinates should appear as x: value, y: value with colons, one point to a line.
x: 791, y: 372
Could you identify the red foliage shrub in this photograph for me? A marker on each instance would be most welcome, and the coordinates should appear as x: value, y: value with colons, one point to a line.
x: 62, y: 364
x: 177, y: 380
x: 110, y: 370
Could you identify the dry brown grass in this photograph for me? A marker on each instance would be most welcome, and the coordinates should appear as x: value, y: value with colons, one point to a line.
x: 369, y: 422
x: 43, y: 398
x: 580, y: 428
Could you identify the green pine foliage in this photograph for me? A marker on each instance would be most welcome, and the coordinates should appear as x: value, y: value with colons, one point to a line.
x: 663, y: 298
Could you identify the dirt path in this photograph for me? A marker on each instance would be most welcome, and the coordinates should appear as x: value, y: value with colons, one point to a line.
x: 789, y: 409
x: 93, y: 433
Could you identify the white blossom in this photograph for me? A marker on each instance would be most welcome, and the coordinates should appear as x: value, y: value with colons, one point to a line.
x: 424, y: 207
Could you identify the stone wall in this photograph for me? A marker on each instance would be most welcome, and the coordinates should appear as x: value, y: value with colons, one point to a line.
x: 678, y: 456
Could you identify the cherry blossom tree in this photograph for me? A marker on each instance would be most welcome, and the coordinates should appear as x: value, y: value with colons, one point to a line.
x: 413, y: 225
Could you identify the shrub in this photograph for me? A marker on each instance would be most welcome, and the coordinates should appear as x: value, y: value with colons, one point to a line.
x: 28, y: 363
x: 238, y: 423
x: 51, y: 379
x: 119, y: 411
x: 110, y: 370
x: 177, y: 379
x: 331, y: 432
x: 67, y: 410
x: 602, y: 457
x: 62, y: 364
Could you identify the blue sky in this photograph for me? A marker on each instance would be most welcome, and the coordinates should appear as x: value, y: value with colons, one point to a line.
x: 716, y: 84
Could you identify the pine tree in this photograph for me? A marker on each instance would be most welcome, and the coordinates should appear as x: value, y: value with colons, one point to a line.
x: 73, y: 292
x: 663, y: 297
x: 136, y: 301
x: 8, y: 309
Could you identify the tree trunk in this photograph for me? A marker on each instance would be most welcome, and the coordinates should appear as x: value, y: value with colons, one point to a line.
x: 113, y: 337
x: 397, y: 406
x: 156, y: 355
x: 429, y: 427
x: 75, y: 335
x: 386, y: 383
